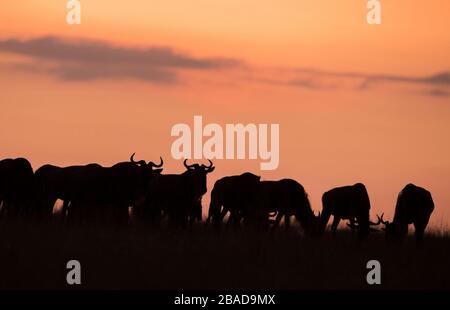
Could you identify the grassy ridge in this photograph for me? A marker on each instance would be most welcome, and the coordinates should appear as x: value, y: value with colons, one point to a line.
x: 34, y: 256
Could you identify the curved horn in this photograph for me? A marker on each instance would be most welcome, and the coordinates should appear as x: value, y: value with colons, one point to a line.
x: 210, y: 163
x: 380, y: 219
x: 375, y: 224
x: 210, y: 167
x: 153, y: 165
x: 188, y: 166
x: 140, y: 163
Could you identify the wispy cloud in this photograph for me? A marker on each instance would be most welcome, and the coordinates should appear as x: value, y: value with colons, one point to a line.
x: 435, y: 92
x: 313, y: 78
x: 87, y: 60
x: 442, y: 78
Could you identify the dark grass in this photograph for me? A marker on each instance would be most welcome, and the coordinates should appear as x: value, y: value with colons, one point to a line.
x: 34, y: 256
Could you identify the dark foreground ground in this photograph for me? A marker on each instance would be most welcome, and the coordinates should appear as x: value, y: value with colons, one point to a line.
x: 34, y: 256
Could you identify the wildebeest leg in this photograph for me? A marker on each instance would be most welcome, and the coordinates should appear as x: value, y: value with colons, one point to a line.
x: 152, y: 213
x: 335, y: 224
x: 122, y: 215
x: 195, y: 214
x: 215, y: 213
x: 353, y: 226
x: 192, y: 220
x: 229, y: 221
x: 277, y: 220
x: 325, y: 217
x: 193, y: 217
x: 184, y: 219
x: 64, y: 209
x: 25, y: 203
x: 420, y: 231
x: 7, y: 207
x: 75, y: 213
x: 223, y: 213
x: 45, y: 208
x: 287, y: 222
x: 179, y: 218
x: 4, y: 209
x: 233, y: 219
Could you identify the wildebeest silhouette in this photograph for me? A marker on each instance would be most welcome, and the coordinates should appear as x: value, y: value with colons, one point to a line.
x: 128, y: 184
x: 253, y: 201
x: 414, y: 206
x: 234, y: 195
x: 197, y: 213
x: 347, y: 203
x: 70, y: 184
x: 16, y: 186
x: 178, y: 196
x: 287, y: 198
x: 93, y: 191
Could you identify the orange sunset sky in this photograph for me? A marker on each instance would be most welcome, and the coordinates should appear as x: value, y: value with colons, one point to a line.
x: 355, y: 102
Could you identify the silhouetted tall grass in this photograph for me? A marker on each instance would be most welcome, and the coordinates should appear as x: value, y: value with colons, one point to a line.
x: 34, y: 256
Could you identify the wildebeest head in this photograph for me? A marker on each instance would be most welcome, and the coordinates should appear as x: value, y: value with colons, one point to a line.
x: 151, y: 165
x: 311, y: 222
x: 348, y: 203
x: 146, y: 171
x: 365, y: 227
x: 314, y: 225
x: 197, y: 176
x: 414, y: 206
x: 391, y: 228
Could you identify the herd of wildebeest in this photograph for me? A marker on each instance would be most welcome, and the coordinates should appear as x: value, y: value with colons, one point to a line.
x: 139, y: 191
